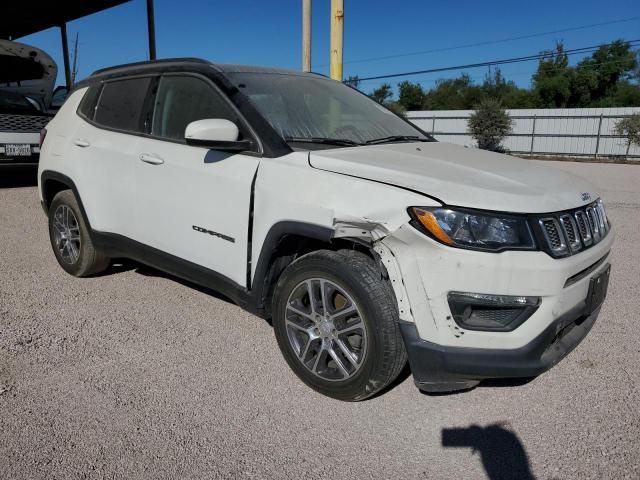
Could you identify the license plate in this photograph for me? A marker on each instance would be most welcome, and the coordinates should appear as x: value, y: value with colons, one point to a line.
x: 598, y: 290
x: 12, y: 150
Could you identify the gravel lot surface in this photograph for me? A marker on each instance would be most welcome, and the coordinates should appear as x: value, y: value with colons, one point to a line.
x: 137, y: 375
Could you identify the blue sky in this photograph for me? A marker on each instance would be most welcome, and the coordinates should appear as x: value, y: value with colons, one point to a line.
x: 268, y: 33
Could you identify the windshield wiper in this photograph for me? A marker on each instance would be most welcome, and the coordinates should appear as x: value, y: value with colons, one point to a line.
x: 396, y: 138
x: 324, y: 140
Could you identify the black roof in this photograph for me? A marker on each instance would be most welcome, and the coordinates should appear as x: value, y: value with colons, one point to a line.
x: 24, y: 17
x: 159, y: 65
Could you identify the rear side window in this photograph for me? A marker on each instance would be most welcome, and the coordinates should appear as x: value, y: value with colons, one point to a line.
x: 88, y: 103
x: 183, y: 99
x: 121, y: 103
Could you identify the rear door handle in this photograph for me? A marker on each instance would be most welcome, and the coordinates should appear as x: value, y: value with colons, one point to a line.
x: 151, y: 159
x: 81, y: 143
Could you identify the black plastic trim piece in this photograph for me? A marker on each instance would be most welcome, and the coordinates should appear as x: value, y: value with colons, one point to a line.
x: 584, y: 273
x: 250, y: 225
x: 463, y: 304
x: 59, y: 177
x: 115, y: 246
x: 444, y: 368
x: 276, y: 234
x: 223, y: 146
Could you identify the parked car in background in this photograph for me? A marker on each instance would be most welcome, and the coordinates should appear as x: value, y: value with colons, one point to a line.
x: 21, y: 122
x: 365, y: 241
x: 27, y: 78
x: 29, y: 71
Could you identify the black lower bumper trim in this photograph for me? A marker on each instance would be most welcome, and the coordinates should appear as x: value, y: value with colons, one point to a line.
x: 439, y: 368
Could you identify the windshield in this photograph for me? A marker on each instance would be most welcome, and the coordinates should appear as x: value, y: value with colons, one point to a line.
x: 11, y: 102
x: 304, y: 108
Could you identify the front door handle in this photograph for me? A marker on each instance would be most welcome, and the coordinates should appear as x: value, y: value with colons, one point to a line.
x: 151, y: 159
x: 81, y: 143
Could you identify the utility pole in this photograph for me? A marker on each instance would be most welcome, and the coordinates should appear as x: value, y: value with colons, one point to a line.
x: 74, y: 70
x: 65, y: 55
x: 151, y: 30
x: 337, y: 38
x: 306, y: 35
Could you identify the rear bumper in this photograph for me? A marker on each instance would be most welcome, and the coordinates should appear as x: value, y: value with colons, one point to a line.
x: 32, y: 159
x: 439, y: 368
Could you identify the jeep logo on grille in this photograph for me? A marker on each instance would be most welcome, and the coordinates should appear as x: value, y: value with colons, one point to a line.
x: 586, y: 196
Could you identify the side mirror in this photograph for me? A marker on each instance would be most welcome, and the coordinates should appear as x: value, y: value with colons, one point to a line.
x: 217, y: 134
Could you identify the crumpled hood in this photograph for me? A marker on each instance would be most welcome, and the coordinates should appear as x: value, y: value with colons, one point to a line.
x: 460, y: 176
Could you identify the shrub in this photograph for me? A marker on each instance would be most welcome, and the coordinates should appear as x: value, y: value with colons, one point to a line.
x: 629, y: 128
x: 490, y: 124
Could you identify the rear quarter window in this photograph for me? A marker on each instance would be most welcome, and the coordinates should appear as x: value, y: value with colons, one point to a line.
x: 121, y: 103
x: 87, y: 107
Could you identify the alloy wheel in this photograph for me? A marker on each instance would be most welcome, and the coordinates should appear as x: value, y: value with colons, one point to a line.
x: 66, y: 234
x: 325, y: 329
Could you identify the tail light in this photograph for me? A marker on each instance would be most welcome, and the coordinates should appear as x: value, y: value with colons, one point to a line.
x: 43, y: 134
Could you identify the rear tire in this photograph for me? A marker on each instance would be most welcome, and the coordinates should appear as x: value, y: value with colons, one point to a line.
x: 336, y: 322
x: 70, y: 238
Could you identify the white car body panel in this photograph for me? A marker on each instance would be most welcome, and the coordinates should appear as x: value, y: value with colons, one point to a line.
x: 461, y: 176
x: 195, y: 187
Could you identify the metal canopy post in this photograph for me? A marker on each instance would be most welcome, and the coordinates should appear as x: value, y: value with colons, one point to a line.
x: 65, y: 54
x: 152, y: 30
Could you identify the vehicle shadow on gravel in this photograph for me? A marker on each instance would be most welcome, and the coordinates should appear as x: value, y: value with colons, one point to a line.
x: 17, y: 177
x: 152, y: 272
x: 501, y: 451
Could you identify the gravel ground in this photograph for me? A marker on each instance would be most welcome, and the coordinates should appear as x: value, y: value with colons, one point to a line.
x: 137, y: 375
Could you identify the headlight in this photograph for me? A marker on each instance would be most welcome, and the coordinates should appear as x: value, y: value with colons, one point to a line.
x: 473, y: 229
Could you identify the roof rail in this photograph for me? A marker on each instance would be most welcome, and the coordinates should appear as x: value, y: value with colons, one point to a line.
x: 149, y: 62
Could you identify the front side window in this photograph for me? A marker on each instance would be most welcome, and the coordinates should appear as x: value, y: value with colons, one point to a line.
x: 184, y: 99
x: 312, y: 108
x: 121, y: 103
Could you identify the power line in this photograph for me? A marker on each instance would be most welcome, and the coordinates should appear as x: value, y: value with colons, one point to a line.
x: 491, y: 42
x: 528, y: 58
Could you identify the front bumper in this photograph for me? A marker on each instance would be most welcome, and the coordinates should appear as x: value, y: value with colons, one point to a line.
x: 439, y: 368
x: 445, y: 356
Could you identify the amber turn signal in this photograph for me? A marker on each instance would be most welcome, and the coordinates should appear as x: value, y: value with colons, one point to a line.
x: 429, y: 221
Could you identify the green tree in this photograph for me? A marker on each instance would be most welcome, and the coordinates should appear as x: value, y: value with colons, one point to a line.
x: 629, y: 128
x: 552, y: 80
x: 453, y: 94
x: 382, y: 94
x: 507, y: 92
x: 490, y: 124
x: 411, y: 95
x: 597, y: 77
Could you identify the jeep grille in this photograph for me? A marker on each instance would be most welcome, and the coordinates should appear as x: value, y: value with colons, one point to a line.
x: 570, y: 232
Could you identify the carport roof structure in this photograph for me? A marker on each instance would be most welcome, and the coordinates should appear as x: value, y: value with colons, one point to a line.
x: 24, y: 17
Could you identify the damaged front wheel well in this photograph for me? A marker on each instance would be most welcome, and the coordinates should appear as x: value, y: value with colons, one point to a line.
x: 292, y: 246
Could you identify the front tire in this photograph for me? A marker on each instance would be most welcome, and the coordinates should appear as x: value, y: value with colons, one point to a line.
x: 336, y: 322
x: 70, y: 238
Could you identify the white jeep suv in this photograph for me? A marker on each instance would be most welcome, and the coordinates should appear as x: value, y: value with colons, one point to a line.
x: 364, y: 241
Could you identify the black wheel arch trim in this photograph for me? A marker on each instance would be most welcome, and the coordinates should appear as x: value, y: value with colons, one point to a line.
x: 275, y: 235
x: 65, y: 180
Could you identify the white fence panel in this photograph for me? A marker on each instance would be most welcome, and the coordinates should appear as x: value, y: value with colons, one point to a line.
x: 561, y: 131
